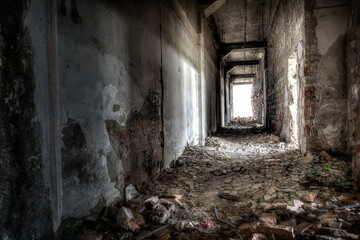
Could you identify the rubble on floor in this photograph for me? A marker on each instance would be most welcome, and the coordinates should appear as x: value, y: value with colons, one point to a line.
x: 243, y: 123
x: 239, y: 187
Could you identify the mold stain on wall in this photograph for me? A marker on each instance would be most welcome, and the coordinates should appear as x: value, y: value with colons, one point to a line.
x: 23, y: 195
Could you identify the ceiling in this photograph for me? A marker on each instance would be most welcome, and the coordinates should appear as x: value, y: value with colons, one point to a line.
x: 239, y: 21
x: 238, y: 27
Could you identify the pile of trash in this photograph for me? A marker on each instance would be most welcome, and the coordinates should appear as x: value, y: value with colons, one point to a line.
x: 239, y: 187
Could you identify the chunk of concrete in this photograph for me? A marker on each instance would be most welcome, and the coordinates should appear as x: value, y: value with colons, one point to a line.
x: 162, y: 211
x: 151, y: 202
x: 258, y: 236
x: 131, y: 193
x: 129, y: 224
x: 123, y: 213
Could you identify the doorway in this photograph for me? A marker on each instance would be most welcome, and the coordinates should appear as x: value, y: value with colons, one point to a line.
x: 242, y: 100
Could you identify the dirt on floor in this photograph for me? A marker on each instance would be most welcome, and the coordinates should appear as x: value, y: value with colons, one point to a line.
x: 239, y: 186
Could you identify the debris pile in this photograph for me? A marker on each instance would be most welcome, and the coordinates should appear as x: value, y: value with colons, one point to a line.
x: 243, y: 123
x: 238, y: 187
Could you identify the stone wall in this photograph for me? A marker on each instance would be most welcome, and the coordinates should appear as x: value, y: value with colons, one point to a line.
x: 353, y: 81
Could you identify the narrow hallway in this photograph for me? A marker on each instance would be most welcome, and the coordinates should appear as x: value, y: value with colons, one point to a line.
x: 262, y: 188
x: 196, y: 119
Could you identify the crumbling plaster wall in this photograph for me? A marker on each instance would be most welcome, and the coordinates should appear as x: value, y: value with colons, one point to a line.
x: 286, y: 34
x: 353, y: 82
x: 325, y: 79
x: 109, y: 63
x: 86, y: 96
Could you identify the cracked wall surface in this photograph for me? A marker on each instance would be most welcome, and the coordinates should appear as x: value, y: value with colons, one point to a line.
x: 93, y: 97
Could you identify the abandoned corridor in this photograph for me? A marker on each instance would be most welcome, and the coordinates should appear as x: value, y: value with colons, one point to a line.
x: 102, y: 101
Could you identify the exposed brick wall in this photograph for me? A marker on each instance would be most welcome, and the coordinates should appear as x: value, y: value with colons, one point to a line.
x: 286, y: 30
x: 353, y: 73
x: 257, y: 95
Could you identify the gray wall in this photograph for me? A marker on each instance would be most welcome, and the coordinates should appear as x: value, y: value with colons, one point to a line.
x: 189, y: 76
x: 109, y: 101
x: 110, y: 93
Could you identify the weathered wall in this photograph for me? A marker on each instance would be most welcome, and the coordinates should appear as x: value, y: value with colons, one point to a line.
x: 257, y: 94
x: 181, y: 85
x: 95, y: 95
x: 190, y: 7
x: 24, y: 193
x: 286, y: 31
x: 325, y: 80
x: 109, y: 63
x: 189, y: 76
x: 211, y: 75
x: 353, y: 82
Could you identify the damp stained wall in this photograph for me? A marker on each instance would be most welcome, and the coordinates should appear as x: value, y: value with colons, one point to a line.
x: 106, y: 90
x: 109, y: 101
x: 325, y: 73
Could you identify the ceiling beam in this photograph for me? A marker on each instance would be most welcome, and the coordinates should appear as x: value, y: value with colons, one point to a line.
x: 242, y: 83
x: 225, y: 48
x: 214, y: 7
x: 230, y: 65
x: 242, y: 63
x: 236, y: 76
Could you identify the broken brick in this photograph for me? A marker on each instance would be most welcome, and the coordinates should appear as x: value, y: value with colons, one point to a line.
x: 268, y: 218
x: 280, y: 232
